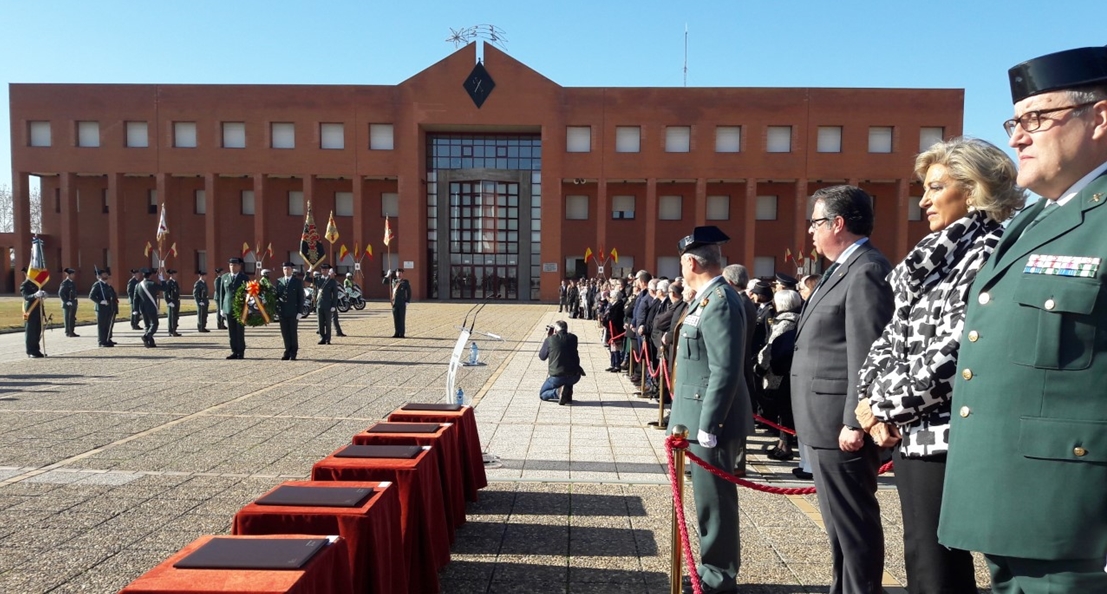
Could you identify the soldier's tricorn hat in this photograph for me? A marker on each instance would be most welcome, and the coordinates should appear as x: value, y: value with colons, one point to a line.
x: 707, y: 235
x: 788, y: 281
x: 218, y: 270
x: 69, y: 271
x: 171, y: 271
x: 288, y: 265
x: 325, y: 266
x: 24, y: 269
x: 1061, y: 70
x: 200, y: 272
x: 234, y: 261
x: 134, y: 271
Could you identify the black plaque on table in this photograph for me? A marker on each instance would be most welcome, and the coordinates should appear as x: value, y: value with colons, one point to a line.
x: 379, y: 451
x: 253, y: 553
x: 436, y: 406
x: 404, y: 428
x: 298, y: 496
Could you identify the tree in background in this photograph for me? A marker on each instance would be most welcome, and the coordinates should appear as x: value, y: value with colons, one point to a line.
x: 7, y: 210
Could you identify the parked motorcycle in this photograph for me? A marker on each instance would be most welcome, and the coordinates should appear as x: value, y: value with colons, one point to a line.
x: 357, y: 300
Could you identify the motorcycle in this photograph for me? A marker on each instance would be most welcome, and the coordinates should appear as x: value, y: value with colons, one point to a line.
x: 309, y: 302
x: 357, y: 299
x: 343, y: 302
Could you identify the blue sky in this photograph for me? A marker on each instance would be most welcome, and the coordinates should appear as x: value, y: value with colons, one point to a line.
x: 965, y: 44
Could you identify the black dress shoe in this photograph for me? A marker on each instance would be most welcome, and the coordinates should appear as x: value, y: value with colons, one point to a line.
x: 292, y: 357
x: 340, y: 334
x: 111, y: 343
x: 322, y: 342
x: 174, y: 333
x: 35, y: 355
x: 395, y: 336
x: 801, y: 475
x: 284, y: 358
x: 204, y: 330
x: 232, y: 356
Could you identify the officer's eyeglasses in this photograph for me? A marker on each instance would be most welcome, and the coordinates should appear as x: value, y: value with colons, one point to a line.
x: 1032, y: 120
x: 816, y: 222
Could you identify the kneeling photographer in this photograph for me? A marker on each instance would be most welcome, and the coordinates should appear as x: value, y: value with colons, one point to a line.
x: 560, y: 349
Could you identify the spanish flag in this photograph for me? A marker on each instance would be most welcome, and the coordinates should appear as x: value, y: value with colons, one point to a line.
x: 342, y: 253
x: 587, y: 254
x: 146, y: 252
x: 245, y: 249
x: 173, y: 250
x: 815, y: 254
x: 332, y: 230
x: 788, y: 255
x: 615, y: 255
x: 369, y: 250
x: 269, y: 250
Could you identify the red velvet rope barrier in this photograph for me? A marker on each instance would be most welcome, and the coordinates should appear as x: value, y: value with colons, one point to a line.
x: 664, y: 371
x: 682, y: 523
x: 611, y: 333
x: 761, y: 419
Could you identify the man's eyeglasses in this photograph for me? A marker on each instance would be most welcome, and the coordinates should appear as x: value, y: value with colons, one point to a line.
x: 816, y: 222
x: 1032, y: 120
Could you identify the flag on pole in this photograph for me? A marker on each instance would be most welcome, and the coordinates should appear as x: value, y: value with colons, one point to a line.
x: 342, y: 253
x: 357, y: 252
x: 310, y: 249
x: 788, y: 255
x: 269, y: 250
x: 369, y: 250
x: 257, y: 250
x: 587, y: 254
x: 37, y: 272
x: 146, y: 252
x: 332, y: 230
x: 387, y: 232
x: 163, y: 228
x: 173, y: 250
x: 615, y: 255
x: 814, y: 254
x: 801, y: 257
x: 245, y: 249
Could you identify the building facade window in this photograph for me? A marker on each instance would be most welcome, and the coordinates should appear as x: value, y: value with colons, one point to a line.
x: 138, y: 135
x: 282, y: 135
x: 764, y: 266
x: 576, y: 208
x: 678, y: 139
x: 669, y: 208
x: 622, y: 207
x: 247, y: 199
x: 390, y: 204
x: 728, y: 139
x: 295, y: 203
x: 234, y: 135
x: 880, y: 139
x: 332, y: 136
x: 200, y: 201
x: 830, y: 139
x: 104, y: 200
x: 88, y: 134
x: 628, y: 139
x: 929, y: 136
x: 578, y: 139
x: 668, y: 266
x: 778, y: 139
x: 344, y: 204
x: 201, y: 261
x: 914, y: 211
x: 152, y: 201
x: 381, y: 137
x: 718, y: 208
x: 184, y: 134
x: 38, y: 134
x: 766, y: 208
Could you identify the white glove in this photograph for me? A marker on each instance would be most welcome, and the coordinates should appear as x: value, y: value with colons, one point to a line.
x: 40, y: 294
x: 69, y: 304
x: 172, y: 305
x: 332, y: 309
x: 706, y: 440
x: 103, y: 303
x: 161, y: 277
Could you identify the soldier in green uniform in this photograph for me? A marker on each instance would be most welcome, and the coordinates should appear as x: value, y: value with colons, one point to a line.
x: 200, y: 296
x: 226, y: 288
x: 136, y: 277
x: 172, y: 301
x: 220, y: 315
x: 400, y: 295
x: 106, y: 303
x: 327, y: 295
x: 146, y: 292
x: 711, y: 399
x: 290, y: 299
x: 67, y: 293
x: 33, y: 314
x: 1026, y: 473
x: 334, y: 312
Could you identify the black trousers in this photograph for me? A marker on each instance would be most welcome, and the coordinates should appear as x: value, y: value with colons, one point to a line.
x: 931, y: 567
x: 150, y: 323
x: 104, y: 315
x: 399, y: 313
x: 325, y: 319
x: 201, y: 315
x: 173, y: 315
x: 70, y: 318
x: 846, y: 483
x: 290, y: 334
x: 135, y: 316
x: 334, y: 320
x: 32, y: 330
x: 237, y: 334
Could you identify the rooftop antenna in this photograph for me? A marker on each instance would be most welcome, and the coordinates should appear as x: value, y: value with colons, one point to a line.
x: 686, y: 54
x: 490, y: 33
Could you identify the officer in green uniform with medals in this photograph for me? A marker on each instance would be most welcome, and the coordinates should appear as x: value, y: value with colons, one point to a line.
x: 67, y: 293
x: 146, y: 292
x: 172, y: 301
x: 200, y: 296
x: 325, y: 300
x: 106, y: 303
x: 136, y: 277
x: 711, y: 399
x: 290, y: 300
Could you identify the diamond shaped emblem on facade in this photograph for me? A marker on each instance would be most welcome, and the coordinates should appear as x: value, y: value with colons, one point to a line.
x: 479, y: 84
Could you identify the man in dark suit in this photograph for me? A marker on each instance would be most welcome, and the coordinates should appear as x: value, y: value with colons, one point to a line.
x: 200, y: 295
x: 1026, y: 473
x: 738, y: 277
x: 226, y: 287
x: 710, y: 399
x: 846, y: 313
x: 400, y: 296
x: 67, y: 294
x: 290, y: 300
x: 326, y: 299
x: 106, y: 303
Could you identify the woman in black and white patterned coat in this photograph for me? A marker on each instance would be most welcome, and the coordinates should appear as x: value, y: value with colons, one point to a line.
x: 907, y: 380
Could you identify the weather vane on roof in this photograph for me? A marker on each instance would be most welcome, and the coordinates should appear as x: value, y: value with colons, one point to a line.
x: 490, y: 33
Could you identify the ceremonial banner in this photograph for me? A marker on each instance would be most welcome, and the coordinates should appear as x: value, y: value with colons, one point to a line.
x: 332, y: 230
x: 37, y: 271
x: 146, y: 252
x: 310, y: 249
x: 163, y: 228
x: 387, y: 232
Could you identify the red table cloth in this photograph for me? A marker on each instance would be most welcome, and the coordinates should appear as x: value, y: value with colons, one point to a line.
x: 444, y: 440
x: 371, y: 531
x: 472, y: 459
x: 422, y: 513
x: 325, y: 573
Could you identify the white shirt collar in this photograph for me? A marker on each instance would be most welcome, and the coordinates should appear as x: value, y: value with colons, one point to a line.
x: 852, y: 248
x: 1081, y: 184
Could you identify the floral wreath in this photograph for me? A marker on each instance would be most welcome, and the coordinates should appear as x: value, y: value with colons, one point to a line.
x: 255, y: 303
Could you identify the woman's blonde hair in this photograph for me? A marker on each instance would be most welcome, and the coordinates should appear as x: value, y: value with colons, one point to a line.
x: 982, y: 169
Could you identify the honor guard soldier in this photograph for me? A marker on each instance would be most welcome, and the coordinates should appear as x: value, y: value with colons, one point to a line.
x: 106, y: 303
x: 226, y: 288
x: 334, y: 312
x: 136, y: 277
x: 172, y: 301
x: 220, y: 315
x: 711, y: 399
x: 146, y: 292
x: 33, y: 315
x: 326, y: 298
x: 290, y: 300
x: 67, y: 293
x: 399, y: 296
x: 200, y: 296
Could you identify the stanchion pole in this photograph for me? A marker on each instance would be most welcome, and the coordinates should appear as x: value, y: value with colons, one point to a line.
x: 678, y: 472
x: 630, y: 353
x: 661, y: 376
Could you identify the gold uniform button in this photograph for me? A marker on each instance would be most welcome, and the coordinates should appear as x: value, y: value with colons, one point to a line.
x: 974, y: 336
x: 1079, y: 451
x: 984, y: 298
x: 1050, y: 304
x: 965, y: 411
x: 967, y: 374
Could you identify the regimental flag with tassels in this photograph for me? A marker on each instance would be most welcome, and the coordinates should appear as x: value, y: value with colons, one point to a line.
x: 332, y: 230
x: 163, y: 228
x: 387, y: 232
x: 342, y: 253
x: 310, y: 248
x: 587, y: 254
x: 615, y: 255
x: 37, y: 272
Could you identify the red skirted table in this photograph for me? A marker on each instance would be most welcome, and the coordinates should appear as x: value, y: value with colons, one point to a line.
x: 327, y: 572
x: 472, y: 460
x: 371, y: 531
x: 423, y: 523
x: 444, y: 441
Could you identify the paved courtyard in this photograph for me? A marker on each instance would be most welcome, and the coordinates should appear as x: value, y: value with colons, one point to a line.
x: 113, y: 459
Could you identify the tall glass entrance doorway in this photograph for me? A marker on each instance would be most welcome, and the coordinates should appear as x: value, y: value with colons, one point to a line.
x: 484, y: 240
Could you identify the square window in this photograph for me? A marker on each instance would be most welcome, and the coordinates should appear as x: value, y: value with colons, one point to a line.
x: 152, y: 201
x: 766, y: 208
x: 668, y: 266
x: 184, y: 134
x: 247, y: 202
x: 344, y: 204
x: 764, y: 266
x: 282, y: 135
x: 669, y: 208
x: 578, y: 139
x: 622, y: 207
x: 880, y: 139
x: 332, y: 136
x: 381, y: 137
x: 678, y: 139
x: 728, y: 139
x: 576, y: 208
x: 778, y: 139
x: 390, y: 204
x: 234, y: 135
x: 138, y: 135
x: 830, y: 139
x: 200, y: 202
x: 929, y: 136
x: 88, y: 134
x: 914, y: 211
x: 38, y: 133
x: 296, y: 203
x: 628, y: 139
x: 718, y: 208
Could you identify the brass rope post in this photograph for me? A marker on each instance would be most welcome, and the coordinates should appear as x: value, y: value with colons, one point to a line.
x: 678, y: 471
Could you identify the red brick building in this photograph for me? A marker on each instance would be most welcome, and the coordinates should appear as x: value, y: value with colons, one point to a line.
x: 494, y: 182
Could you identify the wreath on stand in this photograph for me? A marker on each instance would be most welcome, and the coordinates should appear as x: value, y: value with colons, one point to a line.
x: 255, y: 303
